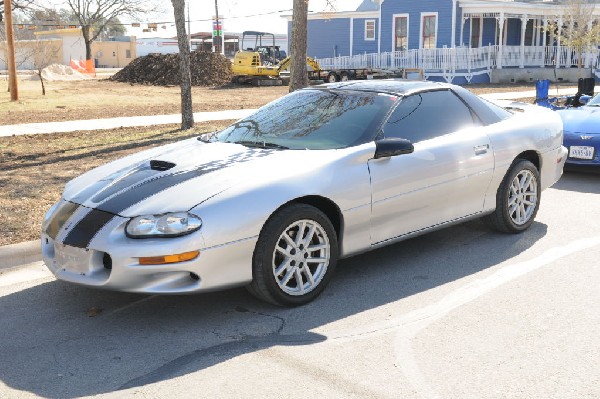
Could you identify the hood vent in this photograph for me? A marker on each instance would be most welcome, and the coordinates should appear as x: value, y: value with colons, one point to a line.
x: 161, y: 165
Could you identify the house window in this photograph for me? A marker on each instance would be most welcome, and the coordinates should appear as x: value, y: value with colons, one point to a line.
x: 401, y: 33
x: 475, y: 32
x: 429, y: 31
x: 370, y: 29
x: 127, y: 53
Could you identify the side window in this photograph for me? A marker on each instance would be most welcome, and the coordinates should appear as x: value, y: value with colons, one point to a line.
x: 427, y: 115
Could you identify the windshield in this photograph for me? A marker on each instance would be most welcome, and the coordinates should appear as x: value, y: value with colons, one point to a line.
x: 595, y: 101
x: 312, y: 119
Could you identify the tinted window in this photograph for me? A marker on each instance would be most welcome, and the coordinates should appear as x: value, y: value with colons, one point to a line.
x: 427, y: 115
x: 313, y: 119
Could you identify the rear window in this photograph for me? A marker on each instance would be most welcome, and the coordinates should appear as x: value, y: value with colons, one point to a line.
x: 488, y: 112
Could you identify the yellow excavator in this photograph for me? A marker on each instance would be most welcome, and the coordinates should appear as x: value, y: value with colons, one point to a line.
x: 263, y: 65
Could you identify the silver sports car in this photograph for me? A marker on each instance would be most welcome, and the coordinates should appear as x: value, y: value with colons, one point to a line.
x: 274, y: 200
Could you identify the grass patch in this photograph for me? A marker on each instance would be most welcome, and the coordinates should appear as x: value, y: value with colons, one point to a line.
x: 35, y: 168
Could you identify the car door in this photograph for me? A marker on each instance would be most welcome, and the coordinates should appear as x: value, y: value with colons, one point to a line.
x: 446, y: 176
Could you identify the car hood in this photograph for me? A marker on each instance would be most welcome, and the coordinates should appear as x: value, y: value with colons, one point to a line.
x: 178, y: 177
x: 581, y: 120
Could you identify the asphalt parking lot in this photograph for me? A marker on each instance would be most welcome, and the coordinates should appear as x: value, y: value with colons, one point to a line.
x: 459, y: 313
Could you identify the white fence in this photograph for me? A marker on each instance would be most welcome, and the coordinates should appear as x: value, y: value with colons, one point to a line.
x: 453, y: 62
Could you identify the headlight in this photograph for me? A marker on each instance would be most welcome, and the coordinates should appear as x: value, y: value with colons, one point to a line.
x: 167, y: 225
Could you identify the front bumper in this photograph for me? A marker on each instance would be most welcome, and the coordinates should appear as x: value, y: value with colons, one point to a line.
x: 111, y: 261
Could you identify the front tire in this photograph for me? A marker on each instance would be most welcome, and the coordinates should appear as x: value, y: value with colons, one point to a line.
x: 517, y: 199
x: 295, y: 256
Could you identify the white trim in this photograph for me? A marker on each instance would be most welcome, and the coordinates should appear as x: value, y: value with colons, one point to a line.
x: 394, y: 16
x: 367, y: 21
x: 480, y: 31
x: 453, y: 34
x: 540, y: 9
x: 437, y: 19
x: 351, y: 36
x: 379, y: 26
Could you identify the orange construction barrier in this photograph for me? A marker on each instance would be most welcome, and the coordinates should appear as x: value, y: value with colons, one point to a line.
x: 86, y: 66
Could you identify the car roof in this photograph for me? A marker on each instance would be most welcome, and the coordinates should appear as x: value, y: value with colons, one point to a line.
x: 390, y: 86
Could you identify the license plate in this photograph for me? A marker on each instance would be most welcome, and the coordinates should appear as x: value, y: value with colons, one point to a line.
x: 72, y: 259
x: 581, y: 152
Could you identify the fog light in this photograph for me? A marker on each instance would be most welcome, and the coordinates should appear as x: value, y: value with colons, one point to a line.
x: 166, y: 259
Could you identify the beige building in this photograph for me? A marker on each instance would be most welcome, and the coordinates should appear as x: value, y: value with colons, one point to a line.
x: 72, y: 44
x: 61, y: 46
x: 114, y: 53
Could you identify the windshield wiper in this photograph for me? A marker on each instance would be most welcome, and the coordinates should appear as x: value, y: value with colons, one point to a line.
x: 261, y: 144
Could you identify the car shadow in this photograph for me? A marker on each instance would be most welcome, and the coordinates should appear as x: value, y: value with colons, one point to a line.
x: 62, y: 340
x: 580, y: 180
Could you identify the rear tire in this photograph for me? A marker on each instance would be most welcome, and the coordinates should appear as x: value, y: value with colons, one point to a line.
x: 517, y: 199
x: 295, y: 256
x: 332, y: 77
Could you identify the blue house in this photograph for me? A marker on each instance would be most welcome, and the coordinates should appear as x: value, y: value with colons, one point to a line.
x: 449, y: 39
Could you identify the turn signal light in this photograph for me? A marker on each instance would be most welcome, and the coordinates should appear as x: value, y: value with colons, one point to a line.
x: 167, y: 259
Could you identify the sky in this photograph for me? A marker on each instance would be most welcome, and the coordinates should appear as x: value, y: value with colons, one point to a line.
x: 240, y: 15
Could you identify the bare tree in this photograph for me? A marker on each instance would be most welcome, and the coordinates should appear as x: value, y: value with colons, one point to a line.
x: 577, y: 28
x: 298, y: 76
x: 187, y: 113
x: 95, y: 15
x: 43, y: 53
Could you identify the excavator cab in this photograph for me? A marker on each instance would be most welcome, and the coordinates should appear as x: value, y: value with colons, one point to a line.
x: 264, y: 44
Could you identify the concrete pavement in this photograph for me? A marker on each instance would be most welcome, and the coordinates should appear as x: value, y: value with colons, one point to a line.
x: 458, y: 313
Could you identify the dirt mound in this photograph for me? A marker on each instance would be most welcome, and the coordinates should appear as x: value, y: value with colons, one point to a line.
x: 57, y: 72
x: 208, y: 69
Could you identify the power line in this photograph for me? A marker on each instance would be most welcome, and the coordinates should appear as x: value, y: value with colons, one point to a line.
x: 49, y: 23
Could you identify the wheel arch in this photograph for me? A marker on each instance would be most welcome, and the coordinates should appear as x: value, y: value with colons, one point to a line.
x: 531, y: 156
x: 325, y: 205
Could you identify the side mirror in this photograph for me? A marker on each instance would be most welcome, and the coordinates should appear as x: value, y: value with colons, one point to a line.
x: 391, y: 147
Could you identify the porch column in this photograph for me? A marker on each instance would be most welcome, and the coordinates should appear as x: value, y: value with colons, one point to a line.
x: 351, y: 37
x: 544, y: 33
x: 544, y: 49
x: 380, y: 2
x: 524, y: 20
x: 453, y: 24
x: 501, y: 40
x: 462, y: 30
x: 557, y: 49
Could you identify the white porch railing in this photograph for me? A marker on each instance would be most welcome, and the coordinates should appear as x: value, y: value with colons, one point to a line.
x: 462, y: 61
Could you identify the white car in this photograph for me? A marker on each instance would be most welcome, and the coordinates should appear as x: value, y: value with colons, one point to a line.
x: 274, y: 200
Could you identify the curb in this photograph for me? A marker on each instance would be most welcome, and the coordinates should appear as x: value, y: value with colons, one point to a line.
x: 20, y: 254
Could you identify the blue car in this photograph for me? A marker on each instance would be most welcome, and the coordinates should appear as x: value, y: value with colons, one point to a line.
x: 582, y: 133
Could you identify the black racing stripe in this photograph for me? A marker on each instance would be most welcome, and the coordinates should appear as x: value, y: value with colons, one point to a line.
x: 151, y: 187
x: 81, y: 235
x: 59, y: 218
x: 86, y: 229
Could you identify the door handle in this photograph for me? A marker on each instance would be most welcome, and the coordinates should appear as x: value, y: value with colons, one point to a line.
x: 481, y: 149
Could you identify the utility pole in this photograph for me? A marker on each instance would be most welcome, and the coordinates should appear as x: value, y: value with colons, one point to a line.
x: 189, y: 25
x: 10, y: 52
x: 218, y: 36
